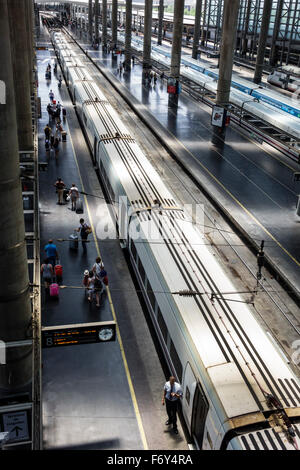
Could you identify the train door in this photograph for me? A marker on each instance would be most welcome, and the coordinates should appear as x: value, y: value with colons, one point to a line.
x: 200, y: 410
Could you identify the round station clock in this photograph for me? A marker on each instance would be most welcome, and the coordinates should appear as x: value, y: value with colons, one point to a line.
x: 105, y: 334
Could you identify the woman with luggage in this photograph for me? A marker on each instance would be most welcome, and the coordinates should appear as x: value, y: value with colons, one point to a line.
x: 95, y: 288
x: 47, y: 273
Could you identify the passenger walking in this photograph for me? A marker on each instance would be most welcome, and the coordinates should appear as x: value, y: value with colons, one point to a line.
x: 74, y: 195
x: 47, y: 131
x: 56, y: 147
x: 51, y: 96
x: 60, y: 186
x: 155, y: 78
x: 171, y: 396
x: 51, y: 252
x: 162, y: 76
x: 52, y: 140
x: 98, y: 266
x: 85, y: 280
x: 47, y: 273
x: 47, y: 147
x: 84, y: 230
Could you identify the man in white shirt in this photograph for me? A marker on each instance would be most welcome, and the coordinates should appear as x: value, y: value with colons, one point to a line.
x: 171, y: 396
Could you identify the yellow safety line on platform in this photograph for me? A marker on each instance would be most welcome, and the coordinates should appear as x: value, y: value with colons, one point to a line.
x: 130, y: 384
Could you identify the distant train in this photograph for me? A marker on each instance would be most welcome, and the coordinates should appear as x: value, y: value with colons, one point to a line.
x: 284, y: 79
x: 238, y: 389
x: 257, y: 91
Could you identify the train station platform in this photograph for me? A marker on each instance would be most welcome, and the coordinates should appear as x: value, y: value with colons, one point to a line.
x: 251, y: 183
x: 95, y: 396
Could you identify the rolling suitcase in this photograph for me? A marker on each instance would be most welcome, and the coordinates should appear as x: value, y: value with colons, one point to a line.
x: 73, y: 241
x: 79, y: 206
x: 66, y: 192
x: 54, y: 290
x: 58, y: 269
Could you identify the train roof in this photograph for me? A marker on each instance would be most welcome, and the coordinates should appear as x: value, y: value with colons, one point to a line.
x: 266, y: 439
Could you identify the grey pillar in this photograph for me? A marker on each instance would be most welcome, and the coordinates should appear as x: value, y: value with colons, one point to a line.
x: 15, y: 308
x: 273, y: 52
x: 128, y: 33
x: 90, y: 20
x: 265, y: 22
x: 147, y: 35
x: 104, y: 23
x: 97, y: 21
x: 114, y: 22
x: 230, y: 17
x: 246, y: 28
x: 30, y: 41
x: 176, y: 46
x: 160, y: 21
x: 197, y: 29
x: 19, y: 36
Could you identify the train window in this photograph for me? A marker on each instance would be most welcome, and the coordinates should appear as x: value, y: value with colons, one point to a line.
x: 141, y: 271
x: 176, y: 361
x: 187, y: 395
x: 151, y: 296
x: 162, y: 324
x: 133, y: 249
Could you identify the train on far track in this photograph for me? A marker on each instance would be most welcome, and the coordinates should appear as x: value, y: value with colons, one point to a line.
x: 239, y: 391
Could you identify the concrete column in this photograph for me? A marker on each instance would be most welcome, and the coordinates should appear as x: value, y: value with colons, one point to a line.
x: 19, y: 37
x: 197, y: 29
x: 114, y: 22
x: 128, y: 33
x: 246, y: 27
x: 147, y: 35
x: 104, y: 23
x: 97, y: 21
x: 90, y: 20
x: 265, y: 22
x: 230, y: 17
x: 15, y: 307
x: 176, y: 46
x: 273, y: 52
x: 30, y: 41
x: 160, y: 21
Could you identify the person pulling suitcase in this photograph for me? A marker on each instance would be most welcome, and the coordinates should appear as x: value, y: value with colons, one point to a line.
x: 84, y: 230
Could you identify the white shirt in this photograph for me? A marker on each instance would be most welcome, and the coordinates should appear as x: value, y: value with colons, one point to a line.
x: 73, y: 192
x: 98, y: 267
x: 176, y: 388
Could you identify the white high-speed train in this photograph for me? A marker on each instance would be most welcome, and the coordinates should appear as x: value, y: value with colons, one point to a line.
x: 238, y: 389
